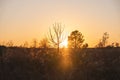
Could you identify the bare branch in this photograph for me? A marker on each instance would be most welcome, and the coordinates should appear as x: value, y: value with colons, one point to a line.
x: 57, y: 36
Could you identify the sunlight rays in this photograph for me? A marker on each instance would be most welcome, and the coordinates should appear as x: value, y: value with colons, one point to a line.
x: 66, y: 62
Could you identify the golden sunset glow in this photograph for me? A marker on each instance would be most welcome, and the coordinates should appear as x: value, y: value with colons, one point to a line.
x: 23, y: 20
x: 64, y: 43
x: 59, y: 39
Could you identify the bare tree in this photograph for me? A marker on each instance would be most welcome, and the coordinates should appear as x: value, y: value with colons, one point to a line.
x: 56, y: 36
x: 34, y: 43
x: 104, y: 40
x: 25, y: 45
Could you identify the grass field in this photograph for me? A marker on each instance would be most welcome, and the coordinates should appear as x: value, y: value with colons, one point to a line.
x: 46, y: 64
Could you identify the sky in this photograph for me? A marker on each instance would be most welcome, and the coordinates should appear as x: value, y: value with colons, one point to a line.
x: 24, y: 20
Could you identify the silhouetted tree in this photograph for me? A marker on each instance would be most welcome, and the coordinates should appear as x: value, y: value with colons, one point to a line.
x: 25, y: 44
x: 75, y: 40
x: 85, y: 45
x: 113, y: 44
x: 44, y: 43
x: 116, y: 44
x: 56, y: 36
x: 34, y: 43
x: 10, y: 44
x: 104, y: 40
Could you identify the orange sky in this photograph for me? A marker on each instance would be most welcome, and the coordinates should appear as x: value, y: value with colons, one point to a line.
x: 24, y: 20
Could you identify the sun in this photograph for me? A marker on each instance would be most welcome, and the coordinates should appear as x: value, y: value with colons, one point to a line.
x: 64, y: 43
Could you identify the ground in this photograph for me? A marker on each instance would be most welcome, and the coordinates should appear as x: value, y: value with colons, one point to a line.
x: 46, y: 64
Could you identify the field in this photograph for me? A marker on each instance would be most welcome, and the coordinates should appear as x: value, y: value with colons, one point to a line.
x: 46, y: 64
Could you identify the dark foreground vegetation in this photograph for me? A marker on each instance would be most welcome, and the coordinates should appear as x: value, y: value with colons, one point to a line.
x: 46, y: 64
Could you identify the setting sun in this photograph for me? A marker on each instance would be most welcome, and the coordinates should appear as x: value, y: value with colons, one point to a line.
x: 64, y: 43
